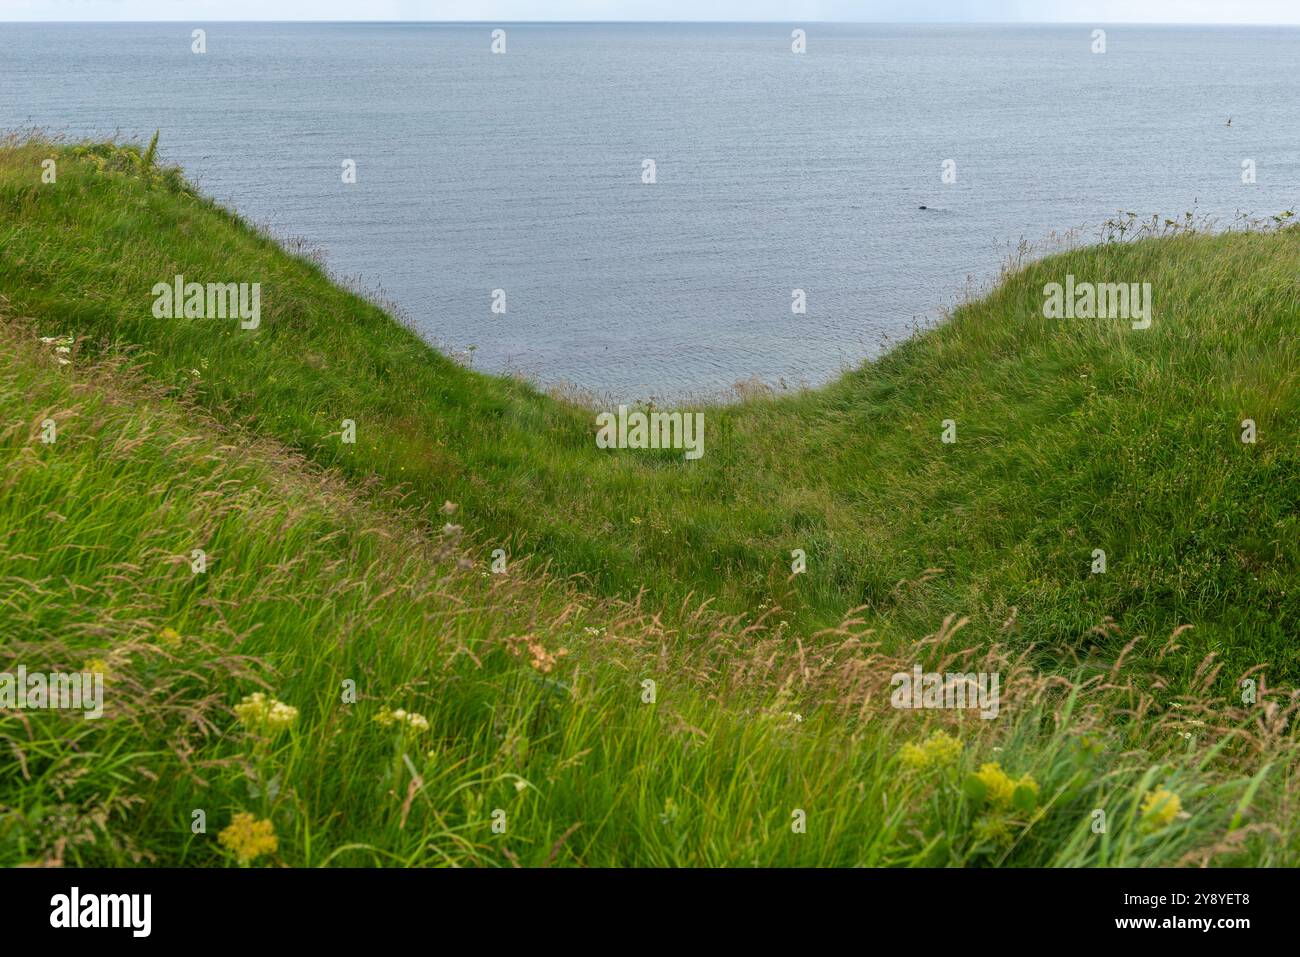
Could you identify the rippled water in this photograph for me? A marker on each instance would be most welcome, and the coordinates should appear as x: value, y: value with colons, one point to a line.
x: 775, y: 171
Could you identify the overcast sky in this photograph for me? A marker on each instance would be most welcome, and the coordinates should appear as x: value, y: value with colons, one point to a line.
x: 1029, y: 11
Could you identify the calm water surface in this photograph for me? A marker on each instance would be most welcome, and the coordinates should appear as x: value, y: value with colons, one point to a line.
x: 774, y: 170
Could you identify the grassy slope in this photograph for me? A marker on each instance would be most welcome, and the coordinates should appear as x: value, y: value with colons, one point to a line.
x: 311, y: 585
x: 1071, y: 436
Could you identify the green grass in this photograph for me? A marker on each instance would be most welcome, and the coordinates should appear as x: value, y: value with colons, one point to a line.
x: 328, y: 563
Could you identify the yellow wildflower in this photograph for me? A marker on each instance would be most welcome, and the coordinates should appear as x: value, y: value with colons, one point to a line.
x: 937, y: 751
x: 999, y: 786
x: 257, y: 712
x: 248, y: 838
x: 943, y: 748
x: 170, y: 637
x: 995, y: 788
x: 98, y: 666
x: 1160, y: 807
x: 913, y: 755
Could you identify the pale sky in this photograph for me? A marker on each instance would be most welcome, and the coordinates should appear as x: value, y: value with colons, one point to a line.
x: 1026, y: 11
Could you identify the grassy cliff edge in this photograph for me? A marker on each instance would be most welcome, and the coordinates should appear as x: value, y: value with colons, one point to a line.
x: 340, y: 584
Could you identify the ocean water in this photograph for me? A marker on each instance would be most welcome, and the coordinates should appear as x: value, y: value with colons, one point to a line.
x: 774, y: 171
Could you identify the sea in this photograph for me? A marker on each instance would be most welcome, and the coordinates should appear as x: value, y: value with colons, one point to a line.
x: 662, y: 210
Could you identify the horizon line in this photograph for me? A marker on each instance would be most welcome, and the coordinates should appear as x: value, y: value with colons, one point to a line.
x: 937, y: 23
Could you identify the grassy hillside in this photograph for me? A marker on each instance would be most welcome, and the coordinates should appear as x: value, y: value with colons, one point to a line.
x: 1073, y: 435
x: 330, y: 563
x: 310, y: 586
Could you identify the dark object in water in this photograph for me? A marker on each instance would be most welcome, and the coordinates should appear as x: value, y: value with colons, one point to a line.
x: 924, y: 207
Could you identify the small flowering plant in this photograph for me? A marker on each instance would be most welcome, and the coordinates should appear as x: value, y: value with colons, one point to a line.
x: 994, y: 788
x: 61, y: 347
x: 1004, y: 805
x: 408, y: 729
x: 1160, y: 808
x: 408, y: 720
x: 248, y: 838
x: 938, y: 751
x: 265, y: 718
x: 99, y: 666
x: 265, y: 715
